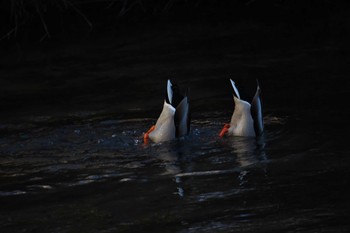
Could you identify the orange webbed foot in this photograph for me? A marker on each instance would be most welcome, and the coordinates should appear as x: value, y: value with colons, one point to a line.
x: 224, y: 130
x: 146, y: 135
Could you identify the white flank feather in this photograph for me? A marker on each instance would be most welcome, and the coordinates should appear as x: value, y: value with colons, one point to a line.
x: 165, y: 126
x: 242, y: 123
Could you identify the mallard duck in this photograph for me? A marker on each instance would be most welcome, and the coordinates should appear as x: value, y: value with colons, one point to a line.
x: 247, y: 118
x: 174, y: 120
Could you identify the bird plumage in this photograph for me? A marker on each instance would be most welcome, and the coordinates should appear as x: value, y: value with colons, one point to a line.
x: 174, y: 120
x: 247, y: 118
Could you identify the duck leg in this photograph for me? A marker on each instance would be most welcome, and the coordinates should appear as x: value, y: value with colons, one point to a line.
x: 146, y: 135
x: 224, y: 130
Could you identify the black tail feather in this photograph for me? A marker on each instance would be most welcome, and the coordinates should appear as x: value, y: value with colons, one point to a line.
x: 180, y: 101
x: 256, y: 111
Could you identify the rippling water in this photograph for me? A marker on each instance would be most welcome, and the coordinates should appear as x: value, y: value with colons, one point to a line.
x: 96, y: 175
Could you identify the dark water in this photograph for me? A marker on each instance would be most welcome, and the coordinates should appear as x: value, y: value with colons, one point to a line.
x: 73, y: 160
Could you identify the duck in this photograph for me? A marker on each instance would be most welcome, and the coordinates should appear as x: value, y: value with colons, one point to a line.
x: 247, y: 119
x: 174, y: 119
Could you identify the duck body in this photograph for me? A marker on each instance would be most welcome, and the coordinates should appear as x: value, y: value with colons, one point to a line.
x: 174, y: 120
x: 247, y: 118
x: 164, y: 129
x: 242, y: 123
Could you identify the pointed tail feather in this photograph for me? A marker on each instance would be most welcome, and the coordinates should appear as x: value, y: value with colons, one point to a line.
x: 182, y: 118
x: 256, y: 111
x: 235, y: 89
x: 169, y: 92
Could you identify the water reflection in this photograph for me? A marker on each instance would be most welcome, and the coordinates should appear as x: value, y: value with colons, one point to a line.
x: 99, y: 151
x: 173, y: 159
x: 206, y: 157
x: 201, y: 173
x: 249, y: 152
x: 169, y: 160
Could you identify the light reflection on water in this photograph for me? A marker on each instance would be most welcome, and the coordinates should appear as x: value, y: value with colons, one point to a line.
x: 235, y: 181
x: 102, y: 150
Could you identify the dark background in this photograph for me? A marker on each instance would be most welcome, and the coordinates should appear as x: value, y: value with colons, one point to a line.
x: 34, y: 21
x: 80, y: 81
x: 64, y: 55
x: 38, y: 22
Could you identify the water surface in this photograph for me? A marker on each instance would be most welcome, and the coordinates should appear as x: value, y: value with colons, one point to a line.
x: 73, y: 159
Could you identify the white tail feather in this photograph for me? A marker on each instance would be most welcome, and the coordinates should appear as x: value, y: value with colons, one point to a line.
x: 170, y: 91
x: 235, y: 89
